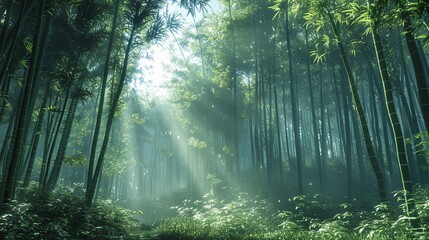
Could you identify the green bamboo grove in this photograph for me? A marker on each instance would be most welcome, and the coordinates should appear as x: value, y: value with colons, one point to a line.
x: 277, y: 98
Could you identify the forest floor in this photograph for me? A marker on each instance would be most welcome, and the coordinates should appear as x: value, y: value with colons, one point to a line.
x: 234, y: 215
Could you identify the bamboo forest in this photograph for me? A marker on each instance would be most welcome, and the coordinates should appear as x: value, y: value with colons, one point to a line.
x: 214, y: 119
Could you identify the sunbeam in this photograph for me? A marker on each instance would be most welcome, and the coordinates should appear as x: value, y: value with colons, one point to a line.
x: 214, y: 119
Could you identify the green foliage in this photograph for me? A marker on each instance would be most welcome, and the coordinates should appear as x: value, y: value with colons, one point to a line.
x: 62, y: 215
x: 243, y: 217
x: 274, y: 235
x: 420, y: 140
x: 136, y: 119
x: 76, y: 160
x: 212, y: 218
x: 389, y: 220
x: 382, y: 221
x: 194, y: 142
x: 181, y: 228
x: 310, y: 208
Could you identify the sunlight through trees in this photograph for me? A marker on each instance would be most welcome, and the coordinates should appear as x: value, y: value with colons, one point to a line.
x: 232, y: 119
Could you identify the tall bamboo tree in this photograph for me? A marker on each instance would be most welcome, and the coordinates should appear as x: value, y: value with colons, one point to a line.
x: 398, y: 138
x: 22, y: 115
x: 102, y: 93
x: 139, y: 14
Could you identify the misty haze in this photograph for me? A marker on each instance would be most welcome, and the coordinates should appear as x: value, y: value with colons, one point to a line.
x: 214, y: 119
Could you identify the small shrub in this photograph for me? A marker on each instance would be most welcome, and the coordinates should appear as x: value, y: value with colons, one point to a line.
x: 179, y: 228
x: 62, y: 215
x: 331, y: 230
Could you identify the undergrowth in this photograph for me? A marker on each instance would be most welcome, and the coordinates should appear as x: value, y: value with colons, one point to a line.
x: 218, y: 215
x: 63, y: 215
x: 252, y: 218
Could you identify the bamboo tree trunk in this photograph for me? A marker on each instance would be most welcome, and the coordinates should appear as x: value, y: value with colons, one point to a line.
x: 286, y: 148
x: 44, y: 38
x: 56, y: 168
x: 47, y: 158
x: 316, y: 142
x: 279, y: 164
x: 50, y: 144
x: 5, y: 26
x: 7, y: 140
x: 417, y: 62
x: 9, y: 53
x: 35, y: 139
x: 355, y: 98
x: 265, y: 122
x: 292, y: 165
x: 339, y: 110
x: 347, y: 138
x: 35, y: 62
x: 418, y: 144
x: 398, y: 138
x: 270, y: 144
x: 422, y: 98
x: 23, y: 113
x: 323, y: 134
x: 49, y: 128
x: 359, y: 152
x: 252, y: 135
x: 258, y: 142
x: 376, y: 127
x: 235, y: 159
x: 4, y: 90
x: 102, y: 95
x: 295, y: 107
x: 115, y: 100
x: 386, y: 128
